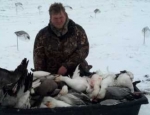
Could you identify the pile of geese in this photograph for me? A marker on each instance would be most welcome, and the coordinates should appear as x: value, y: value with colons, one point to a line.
x: 40, y: 89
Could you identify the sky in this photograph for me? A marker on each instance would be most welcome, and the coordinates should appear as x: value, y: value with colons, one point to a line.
x: 114, y: 33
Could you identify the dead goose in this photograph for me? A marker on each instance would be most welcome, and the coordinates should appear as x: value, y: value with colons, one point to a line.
x: 41, y: 88
x: 11, y: 81
x: 47, y: 87
x: 71, y: 99
x: 68, y: 97
x: 123, y: 80
x: 52, y: 103
x: 95, y: 83
x: 117, y: 93
x: 21, y: 99
x: 24, y: 98
x: 77, y: 83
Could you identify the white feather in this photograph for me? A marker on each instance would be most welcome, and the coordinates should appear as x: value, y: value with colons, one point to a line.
x: 76, y: 73
x: 124, y: 80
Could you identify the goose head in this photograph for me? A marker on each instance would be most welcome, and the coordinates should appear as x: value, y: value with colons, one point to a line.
x: 52, y: 102
x: 64, y: 90
x: 49, y: 102
x: 95, y: 80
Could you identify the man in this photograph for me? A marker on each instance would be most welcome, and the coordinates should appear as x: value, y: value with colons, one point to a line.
x: 62, y: 45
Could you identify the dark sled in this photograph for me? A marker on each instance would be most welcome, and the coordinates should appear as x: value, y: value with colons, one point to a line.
x: 126, y: 108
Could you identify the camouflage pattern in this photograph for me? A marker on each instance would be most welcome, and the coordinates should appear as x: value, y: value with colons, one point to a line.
x: 51, y: 51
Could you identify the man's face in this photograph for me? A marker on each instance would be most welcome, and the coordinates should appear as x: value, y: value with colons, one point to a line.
x: 58, y: 20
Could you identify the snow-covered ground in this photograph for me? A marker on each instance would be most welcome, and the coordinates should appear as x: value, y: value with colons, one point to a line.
x: 115, y: 34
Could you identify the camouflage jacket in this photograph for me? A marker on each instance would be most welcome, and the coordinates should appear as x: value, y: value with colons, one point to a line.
x: 51, y: 52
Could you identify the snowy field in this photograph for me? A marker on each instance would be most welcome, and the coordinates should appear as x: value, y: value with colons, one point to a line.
x: 115, y: 34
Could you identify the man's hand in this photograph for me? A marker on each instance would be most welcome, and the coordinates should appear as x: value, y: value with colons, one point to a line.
x: 62, y: 70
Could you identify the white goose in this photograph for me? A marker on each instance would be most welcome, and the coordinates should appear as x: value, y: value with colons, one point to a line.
x: 68, y: 97
x: 77, y: 83
x: 95, y: 83
x: 124, y: 80
x: 52, y: 103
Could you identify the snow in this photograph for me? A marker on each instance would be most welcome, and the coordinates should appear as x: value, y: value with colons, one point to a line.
x: 115, y: 34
